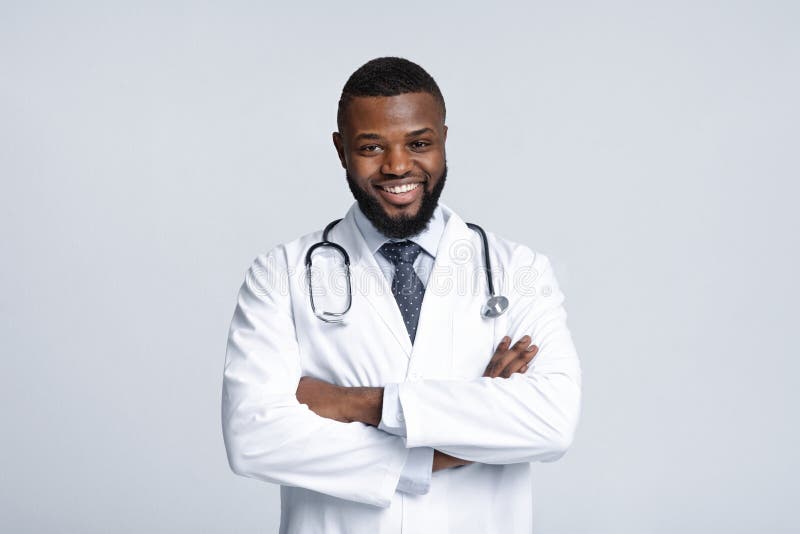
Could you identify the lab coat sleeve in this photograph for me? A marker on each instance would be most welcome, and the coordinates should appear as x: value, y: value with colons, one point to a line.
x: 268, y: 434
x: 527, y: 417
x: 392, y: 419
x: 416, y: 475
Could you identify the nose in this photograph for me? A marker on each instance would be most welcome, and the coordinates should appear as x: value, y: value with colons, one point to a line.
x: 396, y: 161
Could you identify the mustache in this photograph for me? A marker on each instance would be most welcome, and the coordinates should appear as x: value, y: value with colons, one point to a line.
x: 394, y: 178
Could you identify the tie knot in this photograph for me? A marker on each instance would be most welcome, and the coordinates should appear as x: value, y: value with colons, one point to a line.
x: 400, y: 251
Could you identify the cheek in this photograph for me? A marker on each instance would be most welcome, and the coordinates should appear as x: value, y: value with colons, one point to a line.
x: 363, y: 169
x: 433, y: 164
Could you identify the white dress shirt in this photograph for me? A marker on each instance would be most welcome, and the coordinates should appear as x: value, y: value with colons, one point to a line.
x: 416, y: 475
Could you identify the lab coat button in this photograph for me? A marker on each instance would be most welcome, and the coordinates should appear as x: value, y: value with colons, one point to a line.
x: 415, y: 376
x: 400, y: 417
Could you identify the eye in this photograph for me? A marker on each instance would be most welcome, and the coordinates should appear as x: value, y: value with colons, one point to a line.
x: 370, y: 148
x: 419, y: 145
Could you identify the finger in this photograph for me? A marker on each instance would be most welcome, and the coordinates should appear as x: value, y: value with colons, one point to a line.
x: 503, y: 345
x: 523, y: 342
x: 522, y: 360
x: 513, y: 353
x: 522, y: 370
x: 503, y: 357
x: 501, y: 349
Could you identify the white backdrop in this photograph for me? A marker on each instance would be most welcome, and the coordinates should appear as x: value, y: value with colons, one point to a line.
x: 149, y: 151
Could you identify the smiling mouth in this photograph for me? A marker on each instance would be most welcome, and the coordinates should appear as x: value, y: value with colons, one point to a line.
x: 401, y: 188
x: 401, y: 195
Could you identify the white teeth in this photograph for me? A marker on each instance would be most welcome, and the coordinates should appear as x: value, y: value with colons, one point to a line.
x: 401, y: 188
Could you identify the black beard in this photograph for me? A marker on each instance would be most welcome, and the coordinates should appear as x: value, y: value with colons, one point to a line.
x: 404, y: 226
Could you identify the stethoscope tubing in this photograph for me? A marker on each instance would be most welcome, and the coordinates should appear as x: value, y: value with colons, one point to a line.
x: 494, y: 307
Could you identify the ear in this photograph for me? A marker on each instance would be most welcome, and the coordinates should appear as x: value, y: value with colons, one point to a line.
x: 338, y: 142
x: 445, y: 132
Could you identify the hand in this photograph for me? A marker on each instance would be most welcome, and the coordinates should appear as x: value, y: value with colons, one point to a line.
x: 444, y: 461
x: 507, y: 361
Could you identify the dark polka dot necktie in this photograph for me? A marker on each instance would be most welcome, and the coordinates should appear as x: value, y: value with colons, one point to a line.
x: 407, y: 288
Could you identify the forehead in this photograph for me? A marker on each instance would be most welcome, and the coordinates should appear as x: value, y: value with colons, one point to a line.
x: 387, y: 114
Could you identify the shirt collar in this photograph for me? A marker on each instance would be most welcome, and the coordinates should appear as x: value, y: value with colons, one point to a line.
x: 428, y: 238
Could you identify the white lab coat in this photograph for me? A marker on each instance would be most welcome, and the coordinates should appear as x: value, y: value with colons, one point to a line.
x: 341, y: 477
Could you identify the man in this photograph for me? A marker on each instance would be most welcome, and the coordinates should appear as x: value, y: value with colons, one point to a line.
x: 415, y: 413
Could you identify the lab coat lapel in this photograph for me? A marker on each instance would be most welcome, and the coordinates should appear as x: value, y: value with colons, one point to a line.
x: 434, y: 332
x: 369, y: 282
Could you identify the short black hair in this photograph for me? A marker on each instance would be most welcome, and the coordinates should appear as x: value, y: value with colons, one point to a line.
x: 387, y: 76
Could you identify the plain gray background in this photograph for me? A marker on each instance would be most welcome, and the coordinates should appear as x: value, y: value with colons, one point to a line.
x: 149, y: 151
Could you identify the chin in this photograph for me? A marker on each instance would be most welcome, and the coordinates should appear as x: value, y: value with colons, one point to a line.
x: 397, y: 221
x: 404, y: 212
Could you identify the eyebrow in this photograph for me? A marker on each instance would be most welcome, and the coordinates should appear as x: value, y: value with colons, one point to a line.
x: 419, y: 132
x: 374, y: 136
x: 368, y: 136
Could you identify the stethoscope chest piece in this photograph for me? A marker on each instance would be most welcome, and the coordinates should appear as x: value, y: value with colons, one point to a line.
x: 494, y: 307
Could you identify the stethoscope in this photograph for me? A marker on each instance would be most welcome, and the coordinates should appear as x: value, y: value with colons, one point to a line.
x: 494, y: 307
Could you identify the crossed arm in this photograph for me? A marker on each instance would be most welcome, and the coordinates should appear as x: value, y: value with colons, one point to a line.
x: 365, y: 404
x: 502, y: 417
